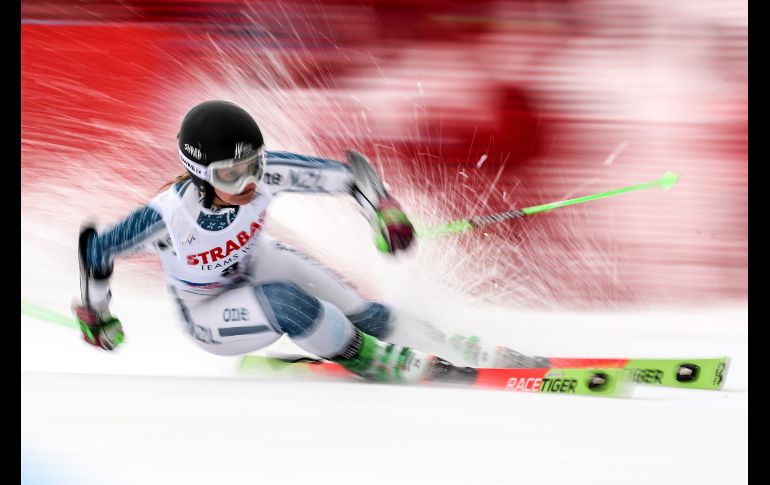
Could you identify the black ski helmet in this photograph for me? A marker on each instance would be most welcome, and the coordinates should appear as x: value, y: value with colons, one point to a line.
x: 213, y: 131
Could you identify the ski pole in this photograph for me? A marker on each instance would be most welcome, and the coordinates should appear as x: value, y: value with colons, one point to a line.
x: 42, y: 313
x: 465, y: 225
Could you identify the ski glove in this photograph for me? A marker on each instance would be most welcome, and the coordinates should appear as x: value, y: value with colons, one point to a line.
x: 103, y: 331
x: 394, y: 231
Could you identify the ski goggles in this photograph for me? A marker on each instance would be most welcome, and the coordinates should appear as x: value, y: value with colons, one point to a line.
x: 231, y: 175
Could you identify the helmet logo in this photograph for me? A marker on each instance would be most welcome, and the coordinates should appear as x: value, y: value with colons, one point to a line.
x: 195, y: 152
x: 242, y: 149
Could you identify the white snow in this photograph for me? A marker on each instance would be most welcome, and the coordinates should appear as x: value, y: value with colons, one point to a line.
x: 162, y: 411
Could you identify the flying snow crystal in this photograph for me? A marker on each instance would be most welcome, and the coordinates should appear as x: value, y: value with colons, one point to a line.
x: 481, y: 161
x: 618, y: 150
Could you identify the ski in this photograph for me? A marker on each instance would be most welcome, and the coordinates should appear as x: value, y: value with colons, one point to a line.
x: 706, y: 374
x: 590, y: 381
x: 683, y: 373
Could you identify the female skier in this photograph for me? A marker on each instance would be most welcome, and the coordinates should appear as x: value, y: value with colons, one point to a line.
x: 236, y: 289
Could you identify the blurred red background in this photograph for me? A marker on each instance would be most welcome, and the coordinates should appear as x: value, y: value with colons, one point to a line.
x: 500, y: 104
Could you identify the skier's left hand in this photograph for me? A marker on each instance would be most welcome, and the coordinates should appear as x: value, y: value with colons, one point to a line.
x: 394, y: 229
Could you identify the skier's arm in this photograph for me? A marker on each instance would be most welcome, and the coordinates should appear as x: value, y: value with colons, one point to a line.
x: 289, y: 172
x: 142, y: 230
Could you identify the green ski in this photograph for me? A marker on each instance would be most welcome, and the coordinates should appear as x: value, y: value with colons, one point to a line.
x: 594, y: 381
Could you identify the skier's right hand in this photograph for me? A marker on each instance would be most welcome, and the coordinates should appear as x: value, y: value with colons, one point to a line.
x: 104, y: 331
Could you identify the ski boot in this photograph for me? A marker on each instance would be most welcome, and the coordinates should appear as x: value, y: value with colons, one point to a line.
x: 380, y: 361
x: 498, y: 357
x: 444, y: 371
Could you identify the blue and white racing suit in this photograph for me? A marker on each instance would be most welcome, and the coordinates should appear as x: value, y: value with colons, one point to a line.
x: 237, y: 289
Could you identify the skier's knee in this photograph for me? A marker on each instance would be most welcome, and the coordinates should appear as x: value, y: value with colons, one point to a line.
x: 289, y: 308
x: 314, y: 325
x: 374, y: 320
